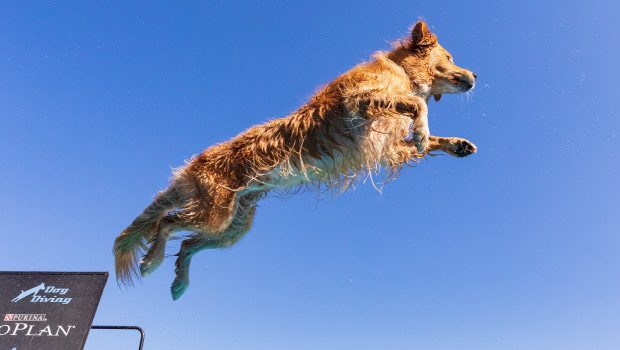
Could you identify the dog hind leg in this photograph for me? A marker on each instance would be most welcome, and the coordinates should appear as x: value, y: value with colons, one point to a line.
x: 239, y: 226
x: 189, y: 248
x: 166, y: 227
x: 130, y: 244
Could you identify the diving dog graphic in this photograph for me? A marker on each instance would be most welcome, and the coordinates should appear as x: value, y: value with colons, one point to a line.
x: 370, y: 118
x: 31, y: 291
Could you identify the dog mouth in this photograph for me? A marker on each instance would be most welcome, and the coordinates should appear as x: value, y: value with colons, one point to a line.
x: 462, y: 84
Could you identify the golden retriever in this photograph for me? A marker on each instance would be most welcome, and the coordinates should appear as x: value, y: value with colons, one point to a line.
x: 370, y: 118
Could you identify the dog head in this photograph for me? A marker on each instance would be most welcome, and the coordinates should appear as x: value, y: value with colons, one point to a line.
x: 428, y: 64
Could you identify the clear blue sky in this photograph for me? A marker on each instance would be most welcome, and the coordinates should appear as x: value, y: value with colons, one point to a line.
x: 516, y: 247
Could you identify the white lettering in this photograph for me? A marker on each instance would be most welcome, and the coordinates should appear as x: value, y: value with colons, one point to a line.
x: 46, y: 330
x: 66, y: 332
x: 17, y: 328
x: 29, y: 330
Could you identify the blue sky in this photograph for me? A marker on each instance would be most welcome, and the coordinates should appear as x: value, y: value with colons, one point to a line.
x: 515, y: 247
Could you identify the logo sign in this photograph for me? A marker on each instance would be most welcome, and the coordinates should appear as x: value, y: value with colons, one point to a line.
x: 48, y: 310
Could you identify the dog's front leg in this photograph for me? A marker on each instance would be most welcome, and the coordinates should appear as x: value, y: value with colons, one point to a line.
x: 453, y: 146
x: 416, y: 107
x: 412, y: 106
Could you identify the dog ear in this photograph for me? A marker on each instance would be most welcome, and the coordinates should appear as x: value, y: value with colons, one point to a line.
x: 437, y: 97
x: 421, y: 36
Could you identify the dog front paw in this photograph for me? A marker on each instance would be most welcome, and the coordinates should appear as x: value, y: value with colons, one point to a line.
x: 420, y: 138
x: 464, y: 148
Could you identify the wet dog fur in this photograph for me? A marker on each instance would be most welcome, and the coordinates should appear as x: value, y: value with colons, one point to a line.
x: 370, y: 118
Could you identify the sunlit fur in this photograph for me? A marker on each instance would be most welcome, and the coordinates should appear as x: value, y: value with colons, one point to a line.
x: 371, y: 119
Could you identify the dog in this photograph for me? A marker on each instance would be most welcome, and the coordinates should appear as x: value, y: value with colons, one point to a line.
x: 370, y: 118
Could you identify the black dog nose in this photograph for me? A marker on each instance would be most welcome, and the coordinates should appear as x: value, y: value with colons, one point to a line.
x: 475, y: 76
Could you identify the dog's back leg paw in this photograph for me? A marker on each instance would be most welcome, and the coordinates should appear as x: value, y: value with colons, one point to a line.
x: 179, y: 286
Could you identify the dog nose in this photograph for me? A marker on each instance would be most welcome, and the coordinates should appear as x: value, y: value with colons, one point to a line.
x: 475, y: 76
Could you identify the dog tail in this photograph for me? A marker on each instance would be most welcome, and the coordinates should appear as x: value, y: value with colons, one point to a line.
x: 131, y: 243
